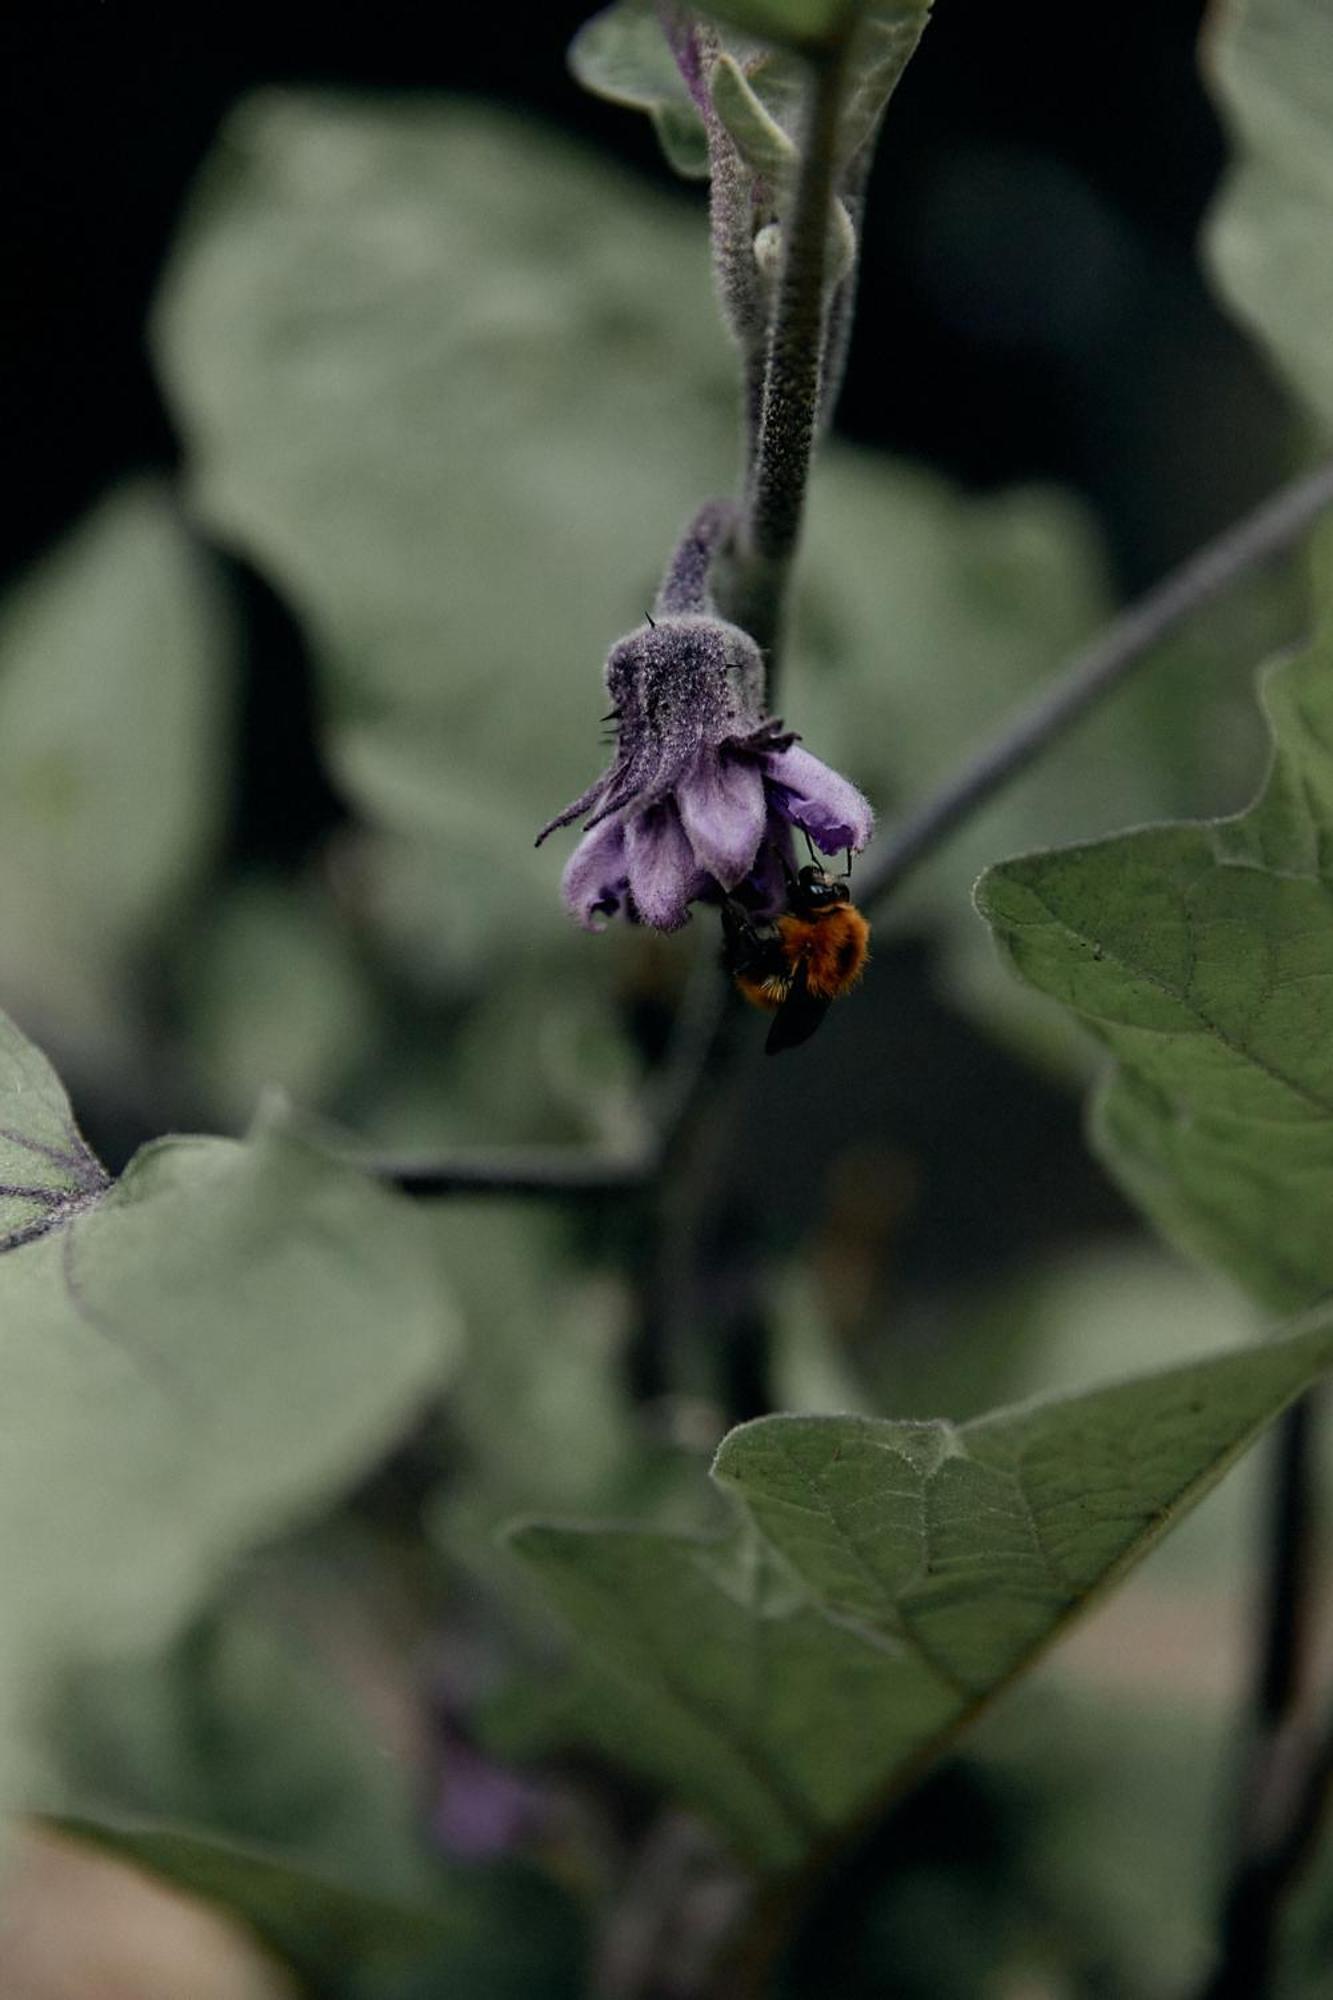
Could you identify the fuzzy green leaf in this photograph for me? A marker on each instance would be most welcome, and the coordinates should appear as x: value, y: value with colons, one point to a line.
x: 801, y: 24
x: 759, y: 139
x: 882, y: 1582
x: 1270, y: 236
x: 194, y: 1358
x: 1202, y: 956
x: 47, y: 1170
x: 622, y: 54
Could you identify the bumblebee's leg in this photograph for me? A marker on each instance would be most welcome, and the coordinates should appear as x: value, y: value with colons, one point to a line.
x: 749, y: 949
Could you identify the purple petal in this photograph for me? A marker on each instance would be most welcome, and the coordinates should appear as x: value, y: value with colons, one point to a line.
x: 663, y: 874
x: 722, y: 810
x: 596, y: 877
x: 766, y: 885
x: 808, y: 794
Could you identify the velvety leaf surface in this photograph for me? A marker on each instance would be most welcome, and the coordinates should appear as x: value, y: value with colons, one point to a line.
x: 193, y: 1359
x: 115, y: 698
x: 622, y: 54
x: 1270, y: 235
x: 1202, y: 956
x: 883, y: 1580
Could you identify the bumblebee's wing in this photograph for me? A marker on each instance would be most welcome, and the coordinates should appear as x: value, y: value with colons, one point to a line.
x: 797, y: 1017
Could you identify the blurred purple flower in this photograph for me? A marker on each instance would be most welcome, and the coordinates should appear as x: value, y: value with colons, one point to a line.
x: 704, y: 788
x: 484, y: 1808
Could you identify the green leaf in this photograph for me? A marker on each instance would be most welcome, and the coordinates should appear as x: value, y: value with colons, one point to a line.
x: 1202, y: 956
x: 47, y: 1170
x: 760, y: 140
x: 622, y: 54
x: 1270, y: 235
x: 501, y: 1934
x: 883, y: 1581
x: 194, y: 1359
x: 880, y: 36
x: 802, y: 24
x: 115, y: 698
x: 277, y: 994
x: 241, y: 1730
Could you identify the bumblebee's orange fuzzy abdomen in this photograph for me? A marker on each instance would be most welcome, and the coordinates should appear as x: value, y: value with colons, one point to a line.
x: 833, y: 947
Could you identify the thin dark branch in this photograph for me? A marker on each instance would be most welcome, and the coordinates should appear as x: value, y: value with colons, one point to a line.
x: 1095, y: 671
x: 548, y: 1170
x: 1284, y: 1775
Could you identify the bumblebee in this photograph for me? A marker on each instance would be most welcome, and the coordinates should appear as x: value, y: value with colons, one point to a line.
x: 797, y: 965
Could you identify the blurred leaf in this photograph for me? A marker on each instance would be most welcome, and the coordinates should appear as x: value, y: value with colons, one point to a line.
x: 882, y: 1582
x: 193, y: 1360
x: 1270, y: 234
x: 1202, y: 955
x: 115, y: 693
x: 622, y: 54
x: 498, y: 1935
x: 761, y: 141
x: 454, y: 388
x: 275, y: 994
x: 237, y: 1731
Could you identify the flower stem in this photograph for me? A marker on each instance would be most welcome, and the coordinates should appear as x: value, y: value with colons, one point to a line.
x: 686, y: 587
x: 775, y: 498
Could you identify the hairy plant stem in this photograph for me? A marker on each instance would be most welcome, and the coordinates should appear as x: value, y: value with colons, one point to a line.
x: 793, y: 372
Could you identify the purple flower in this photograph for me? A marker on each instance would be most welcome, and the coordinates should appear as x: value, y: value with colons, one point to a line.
x: 704, y: 789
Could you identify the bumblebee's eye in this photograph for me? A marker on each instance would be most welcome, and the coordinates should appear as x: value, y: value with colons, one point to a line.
x: 839, y: 892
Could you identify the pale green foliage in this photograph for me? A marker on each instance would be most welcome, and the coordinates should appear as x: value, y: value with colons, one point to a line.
x: 115, y: 697
x: 882, y: 1582
x: 621, y: 54
x: 193, y: 1360
x: 276, y: 992
x: 1270, y: 236
x: 758, y: 86
x: 1202, y: 955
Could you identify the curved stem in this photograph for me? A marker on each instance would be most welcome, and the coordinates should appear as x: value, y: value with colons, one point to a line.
x: 687, y: 585
x: 1094, y: 671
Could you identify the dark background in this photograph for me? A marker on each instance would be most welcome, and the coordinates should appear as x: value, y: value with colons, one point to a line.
x: 1031, y: 272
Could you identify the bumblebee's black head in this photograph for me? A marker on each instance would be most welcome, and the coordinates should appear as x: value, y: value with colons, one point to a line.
x: 815, y: 889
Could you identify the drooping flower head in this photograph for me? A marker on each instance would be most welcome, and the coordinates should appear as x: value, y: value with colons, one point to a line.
x: 705, y: 788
